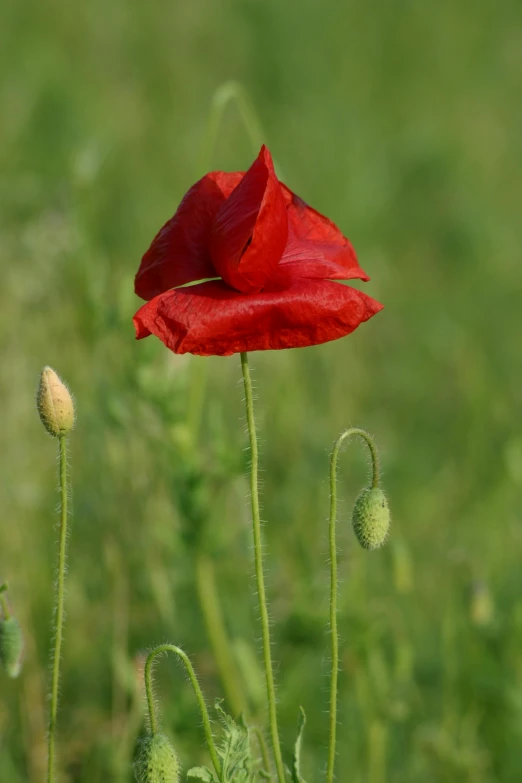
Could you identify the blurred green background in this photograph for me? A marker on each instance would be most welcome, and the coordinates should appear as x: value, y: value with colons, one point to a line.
x: 400, y: 120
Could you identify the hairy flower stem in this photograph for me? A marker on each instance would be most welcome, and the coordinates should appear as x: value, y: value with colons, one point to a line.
x: 59, y: 610
x: 197, y: 690
x: 258, y: 554
x: 334, y: 579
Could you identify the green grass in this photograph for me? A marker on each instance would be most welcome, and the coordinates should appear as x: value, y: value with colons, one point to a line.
x: 402, y: 122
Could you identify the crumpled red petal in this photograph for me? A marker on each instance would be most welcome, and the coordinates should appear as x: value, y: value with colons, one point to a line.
x: 179, y: 253
x: 250, y: 230
x: 211, y: 319
x: 316, y: 248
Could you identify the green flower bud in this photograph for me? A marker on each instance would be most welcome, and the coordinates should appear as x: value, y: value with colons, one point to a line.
x: 371, y: 518
x: 157, y: 761
x: 55, y: 404
x: 11, y: 646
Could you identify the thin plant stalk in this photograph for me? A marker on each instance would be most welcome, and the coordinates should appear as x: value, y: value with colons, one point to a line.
x: 227, y: 93
x: 262, y: 747
x: 153, y: 719
x: 354, y: 431
x: 208, y: 595
x: 59, y: 611
x: 215, y: 625
x: 258, y: 556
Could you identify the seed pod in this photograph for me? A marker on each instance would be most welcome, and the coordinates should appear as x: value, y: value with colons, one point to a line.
x: 55, y: 404
x: 157, y: 761
x: 11, y: 646
x: 371, y: 518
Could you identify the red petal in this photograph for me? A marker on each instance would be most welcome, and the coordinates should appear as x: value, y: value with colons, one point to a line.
x: 211, y: 319
x: 316, y: 249
x: 251, y: 228
x: 179, y: 253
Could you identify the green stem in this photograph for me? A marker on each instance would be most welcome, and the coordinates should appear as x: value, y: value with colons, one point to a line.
x: 197, y: 690
x: 334, y: 579
x: 262, y: 747
x: 59, y: 612
x: 225, y: 94
x: 258, y: 555
x: 215, y: 625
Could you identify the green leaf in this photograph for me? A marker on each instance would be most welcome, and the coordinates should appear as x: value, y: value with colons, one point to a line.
x: 202, y: 775
x: 234, y: 751
x: 296, y: 763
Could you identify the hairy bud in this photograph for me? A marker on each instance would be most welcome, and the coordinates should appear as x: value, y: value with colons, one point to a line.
x: 157, y: 761
x: 11, y: 646
x: 55, y: 404
x: 371, y: 518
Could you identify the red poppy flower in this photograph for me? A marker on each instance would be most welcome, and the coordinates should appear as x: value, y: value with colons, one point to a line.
x: 275, y: 259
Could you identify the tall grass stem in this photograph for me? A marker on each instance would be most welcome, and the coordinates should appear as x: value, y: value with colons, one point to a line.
x: 262, y: 747
x: 215, y: 625
x: 228, y: 92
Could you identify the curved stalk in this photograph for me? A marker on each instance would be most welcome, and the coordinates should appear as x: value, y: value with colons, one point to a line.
x: 197, y: 690
x: 354, y: 431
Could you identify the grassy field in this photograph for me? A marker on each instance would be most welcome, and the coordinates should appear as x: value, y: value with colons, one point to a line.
x: 400, y: 120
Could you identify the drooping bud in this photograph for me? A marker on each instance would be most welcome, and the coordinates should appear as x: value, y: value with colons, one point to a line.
x: 55, y: 404
x: 371, y: 518
x: 11, y: 646
x: 157, y: 761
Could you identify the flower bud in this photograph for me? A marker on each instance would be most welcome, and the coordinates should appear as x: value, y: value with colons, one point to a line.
x: 55, y: 404
x: 371, y: 518
x: 157, y: 761
x: 11, y: 646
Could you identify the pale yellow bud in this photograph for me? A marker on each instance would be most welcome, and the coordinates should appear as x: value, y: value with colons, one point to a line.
x: 55, y: 404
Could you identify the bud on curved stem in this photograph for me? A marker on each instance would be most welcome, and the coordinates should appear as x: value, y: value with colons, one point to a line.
x: 371, y: 518
x: 157, y: 761
x: 363, y: 529
x: 153, y: 720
